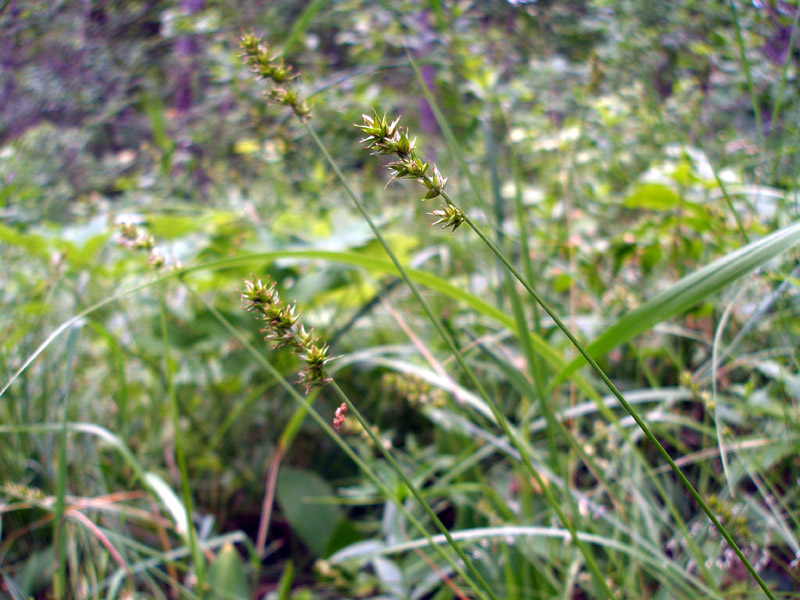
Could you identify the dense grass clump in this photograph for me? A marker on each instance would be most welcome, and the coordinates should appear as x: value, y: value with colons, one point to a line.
x: 240, y: 363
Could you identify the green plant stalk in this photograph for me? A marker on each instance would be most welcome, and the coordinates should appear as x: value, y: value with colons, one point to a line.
x: 535, y: 361
x: 498, y: 415
x: 285, y: 582
x: 473, y: 184
x: 303, y: 402
x: 226, y: 263
x: 216, y: 265
x: 731, y: 208
x: 776, y: 107
x: 717, y: 418
x: 559, y: 427
x: 746, y: 66
x: 511, y: 579
x: 180, y: 455
x: 770, y: 495
x: 300, y: 25
x: 536, y: 367
x: 535, y: 372
x: 693, y: 548
x: 121, y: 398
x: 60, y: 582
x: 516, y: 302
x: 412, y: 488
x: 698, y: 556
x: 628, y: 408
x: 497, y: 215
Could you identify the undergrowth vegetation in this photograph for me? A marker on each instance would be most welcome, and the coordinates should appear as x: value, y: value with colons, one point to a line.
x: 238, y: 361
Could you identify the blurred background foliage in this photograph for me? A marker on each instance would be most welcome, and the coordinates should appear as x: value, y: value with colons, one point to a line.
x: 628, y: 128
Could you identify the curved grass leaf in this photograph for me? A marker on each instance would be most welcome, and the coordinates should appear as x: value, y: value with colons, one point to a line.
x: 646, y: 554
x: 154, y: 483
x: 688, y: 292
x: 301, y: 24
x: 432, y: 282
x: 545, y: 350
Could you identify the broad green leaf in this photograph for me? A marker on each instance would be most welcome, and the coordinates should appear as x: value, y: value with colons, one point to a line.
x: 653, y: 196
x: 170, y: 227
x: 227, y: 577
x: 34, y: 244
x: 346, y: 533
x: 86, y: 255
x: 302, y: 496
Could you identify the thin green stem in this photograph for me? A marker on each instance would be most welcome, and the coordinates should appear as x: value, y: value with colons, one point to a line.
x: 729, y: 202
x: 180, y: 455
x: 746, y: 65
x: 277, y: 376
x: 60, y: 582
x: 412, y: 488
x: 456, y: 353
x: 628, y: 408
x: 777, y: 105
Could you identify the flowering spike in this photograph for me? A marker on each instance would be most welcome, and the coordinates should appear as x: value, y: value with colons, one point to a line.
x: 383, y: 137
x: 255, y: 54
x: 449, y: 215
x: 279, y: 327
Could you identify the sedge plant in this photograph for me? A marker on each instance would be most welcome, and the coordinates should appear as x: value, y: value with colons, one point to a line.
x: 384, y: 136
x: 553, y: 493
x: 256, y: 54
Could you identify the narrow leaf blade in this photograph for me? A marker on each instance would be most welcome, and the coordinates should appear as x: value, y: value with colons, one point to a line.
x: 688, y: 292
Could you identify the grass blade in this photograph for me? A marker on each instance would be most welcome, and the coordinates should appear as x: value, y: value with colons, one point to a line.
x: 689, y: 291
x: 60, y: 583
x: 301, y: 24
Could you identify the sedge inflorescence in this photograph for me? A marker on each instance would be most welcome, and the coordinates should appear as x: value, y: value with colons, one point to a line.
x: 137, y: 239
x: 281, y: 328
x: 278, y: 75
x: 389, y: 138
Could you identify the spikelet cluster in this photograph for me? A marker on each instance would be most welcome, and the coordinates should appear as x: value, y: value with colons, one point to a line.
x: 280, y: 320
x: 387, y: 137
x: 278, y: 75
